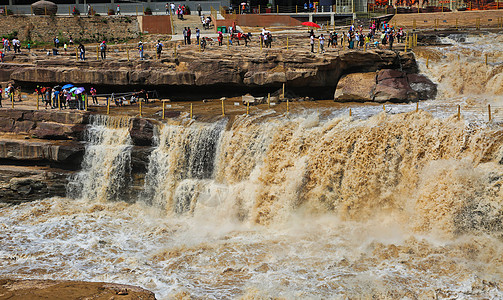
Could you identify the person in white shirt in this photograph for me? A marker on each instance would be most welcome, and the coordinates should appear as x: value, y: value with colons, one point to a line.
x: 312, y: 42
x: 322, y: 43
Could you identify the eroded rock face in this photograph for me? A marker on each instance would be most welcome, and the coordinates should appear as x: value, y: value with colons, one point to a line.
x: 355, y: 87
x: 141, y: 131
x: 386, y: 85
x: 21, y: 184
x: 240, y: 68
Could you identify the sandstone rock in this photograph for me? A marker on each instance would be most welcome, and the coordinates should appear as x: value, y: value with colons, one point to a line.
x: 355, y: 87
x: 392, y: 85
x: 21, y: 184
x: 44, y: 7
x: 23, y: 126
x: 66, y: 153
x: 53, y: 131
x: 388, y: 74
x: 141, y: 131
x: 65, y: 289
x: 424, y: 87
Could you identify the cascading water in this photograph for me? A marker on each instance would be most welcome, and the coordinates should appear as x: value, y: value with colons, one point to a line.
x: 105, y: 171
x: 405, y: 205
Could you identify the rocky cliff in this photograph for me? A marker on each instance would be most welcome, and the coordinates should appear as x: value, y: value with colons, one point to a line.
x: 237, y: 69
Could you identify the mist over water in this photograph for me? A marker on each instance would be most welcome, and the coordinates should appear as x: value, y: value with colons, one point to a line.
x: 390, y: 205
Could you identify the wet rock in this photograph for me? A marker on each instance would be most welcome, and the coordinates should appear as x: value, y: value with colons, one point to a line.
x: 355, y: 87
x: 22, y: 184
x: 26, y: 150
x: 65, y: 289
x: 141, y: 131
x: 392, y: 85
x: 424, y: 87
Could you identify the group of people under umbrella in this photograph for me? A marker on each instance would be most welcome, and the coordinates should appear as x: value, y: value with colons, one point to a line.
x: 67, y: 96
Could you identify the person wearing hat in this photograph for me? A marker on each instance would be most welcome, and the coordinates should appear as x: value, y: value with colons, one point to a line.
x: 140, y: 49
x: 103, y: 48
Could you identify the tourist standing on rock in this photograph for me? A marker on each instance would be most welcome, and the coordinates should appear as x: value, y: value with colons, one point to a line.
x: 158, y: 48
x: 82, y: 51
x: 220, y: 38
x: 322, y: 43
x: 167, y: 8
x: 93, y: 95
x: 118, y: 9
x: 199, y: 9
x: 103, y: 49
x: 47, y: 96
x: 391, y: 38
x: 198, y: 33
x: 311, y: 42
x: 184, y: 35
x: 140, y: 50
x: 56, y: 42
x: 188, y: 35
x: 172, y: 6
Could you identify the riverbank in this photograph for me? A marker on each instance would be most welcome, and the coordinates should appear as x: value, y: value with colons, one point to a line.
x: 65, y: 289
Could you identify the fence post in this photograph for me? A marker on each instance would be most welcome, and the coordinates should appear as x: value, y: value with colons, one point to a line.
x: 191, y: 110
x: 223, y: 108
x: 108, y: 104
x: 427, y: 61
x: 76, y: 54
x: 269, y: 100
x: 456, y: 23
x: 259, y: 9
x: 383, y: 108
x: 489, y: 111
x: 459, y: 112
x: 59, y: 101
x: 163, y: 109
x: 417, y: 106
x: 287, y: 106
x: 283, y: 92
x: 140, y: 109
x: 247, y: 108
x: 486, y: 59
x: 350, y: 113
x: 277, y: 9
x: 12, y: 97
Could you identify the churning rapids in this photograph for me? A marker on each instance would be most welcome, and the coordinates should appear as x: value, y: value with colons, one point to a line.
x: 403, y: 204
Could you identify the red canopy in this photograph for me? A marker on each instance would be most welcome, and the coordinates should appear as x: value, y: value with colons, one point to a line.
x: 311, y: 24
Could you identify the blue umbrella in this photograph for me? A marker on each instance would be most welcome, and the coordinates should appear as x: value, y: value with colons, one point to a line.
x: 73, y: 89
x: 66, y: 86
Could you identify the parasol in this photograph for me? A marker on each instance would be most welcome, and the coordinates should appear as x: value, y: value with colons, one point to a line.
x: 311, y: 24
x: 67, y: 86
x: 79, y: 90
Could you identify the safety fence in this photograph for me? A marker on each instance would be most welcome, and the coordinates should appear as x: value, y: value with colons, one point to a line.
x: 160, y: 108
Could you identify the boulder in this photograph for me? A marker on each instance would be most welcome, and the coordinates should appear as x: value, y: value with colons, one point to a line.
x: 355, y: 87
x: 53, y: 131
x: 424, y: 87
x: 141, y: 131
x: 392, y: 85
x: 43, y: 7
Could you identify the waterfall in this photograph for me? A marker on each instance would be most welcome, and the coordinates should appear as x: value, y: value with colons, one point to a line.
x: 184, y: 158
x: 106, y: 168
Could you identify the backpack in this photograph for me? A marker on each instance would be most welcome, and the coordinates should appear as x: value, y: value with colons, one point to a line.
x: 159, y: 47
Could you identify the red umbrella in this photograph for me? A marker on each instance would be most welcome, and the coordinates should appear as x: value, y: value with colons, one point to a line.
x: 311, y: 24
